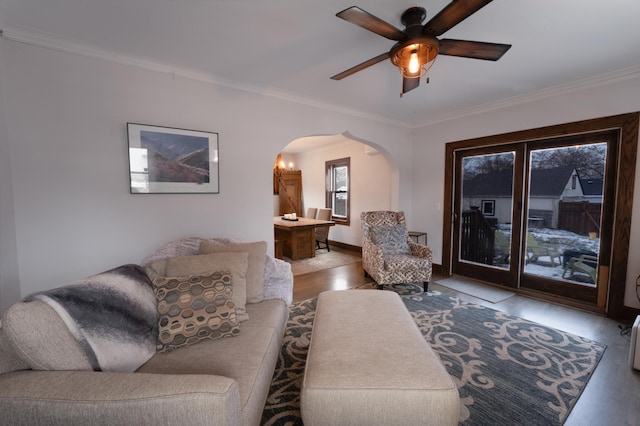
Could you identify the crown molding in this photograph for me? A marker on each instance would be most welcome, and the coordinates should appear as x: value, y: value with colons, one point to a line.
x: 55, y: 42
x: 624, y: 74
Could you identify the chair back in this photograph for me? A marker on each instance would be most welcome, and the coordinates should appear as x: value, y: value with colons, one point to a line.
x: 381, y: 218
x: 324, y: 214
x: 311, y: 212
x: 322, y: 233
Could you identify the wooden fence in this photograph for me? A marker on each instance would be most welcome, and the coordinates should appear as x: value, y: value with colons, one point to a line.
x: 580, y: 218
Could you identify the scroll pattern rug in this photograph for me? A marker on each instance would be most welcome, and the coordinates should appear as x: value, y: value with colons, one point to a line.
x: 509, y: 371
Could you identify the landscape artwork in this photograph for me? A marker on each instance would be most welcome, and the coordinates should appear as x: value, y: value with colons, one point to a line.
x: 167, y: 160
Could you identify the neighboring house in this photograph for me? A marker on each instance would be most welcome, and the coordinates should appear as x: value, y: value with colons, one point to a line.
x: 547, y: 188
x: 592, y: 190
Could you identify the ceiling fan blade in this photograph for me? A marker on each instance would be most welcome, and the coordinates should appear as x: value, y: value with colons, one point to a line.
x: 364, y: 19
x: 454, y: 13
x: 361, y: 66
x: 473, y: 49
x: 409, y: 84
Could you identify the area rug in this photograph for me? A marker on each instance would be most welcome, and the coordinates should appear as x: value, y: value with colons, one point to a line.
x: 476, y: 289
x: 322, y: 260
x: 508, y: 371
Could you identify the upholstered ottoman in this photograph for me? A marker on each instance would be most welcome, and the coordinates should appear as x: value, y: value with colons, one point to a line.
x: 368, y: 364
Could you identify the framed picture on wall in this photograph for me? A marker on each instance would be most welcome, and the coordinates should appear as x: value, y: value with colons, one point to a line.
x: 167, y: 160
x: 488, y: 207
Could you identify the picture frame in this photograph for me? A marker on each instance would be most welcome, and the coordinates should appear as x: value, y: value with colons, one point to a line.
x: 488, y: 207
x: 166, y: 160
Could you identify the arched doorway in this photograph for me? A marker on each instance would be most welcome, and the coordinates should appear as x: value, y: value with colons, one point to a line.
x: 373, y: 177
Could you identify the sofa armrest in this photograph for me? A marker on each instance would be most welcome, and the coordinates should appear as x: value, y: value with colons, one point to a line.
x: 81, y: 397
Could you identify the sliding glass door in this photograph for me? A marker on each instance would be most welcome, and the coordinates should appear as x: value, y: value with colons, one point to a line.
x: 569, y: 214
x: 536, y: 214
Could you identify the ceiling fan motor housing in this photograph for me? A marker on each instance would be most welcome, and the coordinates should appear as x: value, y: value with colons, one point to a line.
x: 425, y: 46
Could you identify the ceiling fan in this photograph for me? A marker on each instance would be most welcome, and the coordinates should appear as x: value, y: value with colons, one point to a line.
x: 417, y: 46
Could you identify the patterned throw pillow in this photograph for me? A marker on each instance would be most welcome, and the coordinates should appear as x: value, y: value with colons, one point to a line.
x: 182, y: 266
x: 391, y: 239
x: 195, y: 308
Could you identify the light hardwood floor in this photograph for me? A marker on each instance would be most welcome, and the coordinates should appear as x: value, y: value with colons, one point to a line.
x: 612, y: 396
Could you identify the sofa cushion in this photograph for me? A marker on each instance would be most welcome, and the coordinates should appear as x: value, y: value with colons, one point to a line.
x: 194, y: 308
x: 49, y: 398
x: 106, y: 322
x: 391, y: 239
x: 183, y: 266
x: 249, y: 359
x: 255, y: 272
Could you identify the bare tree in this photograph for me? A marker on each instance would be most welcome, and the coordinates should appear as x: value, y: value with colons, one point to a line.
x: 486, y: 164
x: 588, y: 160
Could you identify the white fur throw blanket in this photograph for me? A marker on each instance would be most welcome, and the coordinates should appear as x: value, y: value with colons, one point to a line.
x: 278, y: 280
x: 112, y: 315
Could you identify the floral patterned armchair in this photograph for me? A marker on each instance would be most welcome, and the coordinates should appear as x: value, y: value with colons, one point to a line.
x: 388, y: 255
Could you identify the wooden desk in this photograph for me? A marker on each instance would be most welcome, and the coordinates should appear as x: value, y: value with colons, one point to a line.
x: 298, y: 238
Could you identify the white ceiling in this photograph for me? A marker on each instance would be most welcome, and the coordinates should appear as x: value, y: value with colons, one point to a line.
x: 290, y: 48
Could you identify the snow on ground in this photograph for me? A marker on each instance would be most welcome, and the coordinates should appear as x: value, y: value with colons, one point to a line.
x: 561, y: 240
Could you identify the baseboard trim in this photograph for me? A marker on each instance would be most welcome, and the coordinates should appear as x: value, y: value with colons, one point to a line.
x: 345, y: 246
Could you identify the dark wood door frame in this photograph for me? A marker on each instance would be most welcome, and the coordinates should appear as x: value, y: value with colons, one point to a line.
x: 624, y: 181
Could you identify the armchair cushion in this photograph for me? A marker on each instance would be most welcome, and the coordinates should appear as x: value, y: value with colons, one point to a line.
x: 391, y: 239
x: 404, y: 263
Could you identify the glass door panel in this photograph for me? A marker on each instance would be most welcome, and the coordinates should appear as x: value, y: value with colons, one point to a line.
x: 484, y: 211
x: 563, y: 221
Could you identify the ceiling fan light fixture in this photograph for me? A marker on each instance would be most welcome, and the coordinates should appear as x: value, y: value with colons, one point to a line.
x: 414, y: 60
x: 418, y: 45
x: 414, y: 65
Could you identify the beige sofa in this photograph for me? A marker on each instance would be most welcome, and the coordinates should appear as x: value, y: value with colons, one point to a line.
x: 214, y: 382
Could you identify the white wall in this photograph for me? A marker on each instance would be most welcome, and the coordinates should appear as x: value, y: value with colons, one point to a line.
x: 371, y: 184
x: 599, y: 101
x: 66, y: 118
x: 9, y: 291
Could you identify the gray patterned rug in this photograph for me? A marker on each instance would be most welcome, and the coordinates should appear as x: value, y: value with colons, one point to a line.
x: 509, y: 371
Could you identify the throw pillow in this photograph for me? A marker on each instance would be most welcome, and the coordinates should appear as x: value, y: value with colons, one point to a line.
x: 255, y: 272
x: 156, y: 269
x: 391, y: 239
x: 237, y: 263
x: 194, y: 308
